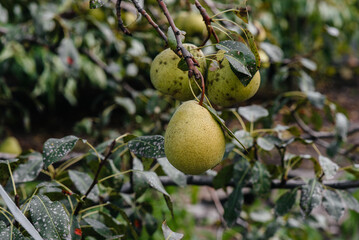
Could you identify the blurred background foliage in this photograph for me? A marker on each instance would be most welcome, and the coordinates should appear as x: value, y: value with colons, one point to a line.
x: 70, y: 65
x: 66, y: 69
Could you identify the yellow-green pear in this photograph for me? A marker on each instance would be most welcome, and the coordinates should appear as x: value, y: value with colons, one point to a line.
x: 194, y: 141
x: 10, y: 145
x: 225, y: 89
x: 191, y: 22
x: 167, y: 78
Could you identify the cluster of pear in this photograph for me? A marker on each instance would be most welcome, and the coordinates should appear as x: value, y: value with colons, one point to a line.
x: 194, y: 140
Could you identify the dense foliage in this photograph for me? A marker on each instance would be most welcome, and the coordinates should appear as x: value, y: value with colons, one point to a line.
x: 289, y: 169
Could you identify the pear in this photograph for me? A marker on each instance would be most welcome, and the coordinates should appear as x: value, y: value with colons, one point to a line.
x: 10, y: 145
x: 191, y: 22
x: 194, y: 141
x: 167, y: 78
x: 225, y: 89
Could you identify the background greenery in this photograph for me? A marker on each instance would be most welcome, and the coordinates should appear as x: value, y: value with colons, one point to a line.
x: 66, y: 69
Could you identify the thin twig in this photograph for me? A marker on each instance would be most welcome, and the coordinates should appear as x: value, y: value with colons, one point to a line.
x: 95, y: 180
x: 149, y: 19
x: 207, y: 21
x: 120, y: 23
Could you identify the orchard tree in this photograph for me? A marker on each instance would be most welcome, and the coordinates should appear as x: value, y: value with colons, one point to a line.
x: 211, y: 64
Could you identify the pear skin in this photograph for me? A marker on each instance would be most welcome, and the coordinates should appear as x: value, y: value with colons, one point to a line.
x: 167, y: 78
x: 225, y: 89
x: 194, y: 141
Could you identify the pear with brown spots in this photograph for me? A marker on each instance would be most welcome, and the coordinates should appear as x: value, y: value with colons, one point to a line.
x: 167, y: 78
x: 194, y: 141
x: 223, y: 86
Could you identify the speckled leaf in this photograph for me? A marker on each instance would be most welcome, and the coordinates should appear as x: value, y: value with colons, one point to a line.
x: 11, y: 233
x: 311, y: 196
x: 82, y: 182
x: 169, y: 234
x: 285, y: 202
x: 177, y: 176
x: 75, y: 230
x: 260, y: 179
x: 19, y: 216
x: 349, y: 200
x: 99, y: 227
x: 333, y: 204
x: 55, y: 149
x: 95, y: 4
x: 253, y: 47
x: 242, y: 12
x: 253, y: 113
x: 49, y: 218
x: 169, y: 204
x: 329, y: 167
x: 241, y: 59
x: 30, y: 170
x: 139, y: 182
x: 148, y: 146
x: 2, y: 226
x: 245, y: 138
x: 154, y: 182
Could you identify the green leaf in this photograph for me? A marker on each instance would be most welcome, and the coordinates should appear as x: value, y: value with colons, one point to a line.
x: 285, y: 202
x: 265, y: 143
x: 75, y: 230
x: 223, y: 177
x: 329, y: 167
x: 169, y: 234
x: 245, y: 138
x: 182, y: 64
x: 306, y: 83
x: 341, y: 125
x: 49, y: 218
x: 260, y: 179
x: 241, y: 59
x: 55, y: 149
x: 82, y: 182
x: 30, y: 170
x: 242, y: 12
x: 333, y: 204
x: 169, y: 204
x: 127, y: 103
x: 172, y: 42
x: 349, y: 200
x: 150, y: 224
x: 148, y: 146
x: 253, y: 113
x: 99, y: 227
x: 139, y: 182
x: 233, y: 206
x: 11, y: 233
x: 222, y: 124
x: 154, y: 182
x: 316, y: 98
x: 95, y: 4
x: 18, y: 215
x: 177, y: 176
x: 274, y: 52
x: 253, y: 47
x: 311, y: 196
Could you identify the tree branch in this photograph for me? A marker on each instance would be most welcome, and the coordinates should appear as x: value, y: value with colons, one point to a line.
x: 207, y: 21
x: 276, y: 184
x: 191, y: 62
